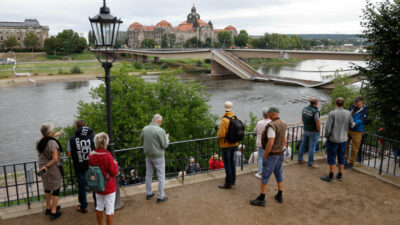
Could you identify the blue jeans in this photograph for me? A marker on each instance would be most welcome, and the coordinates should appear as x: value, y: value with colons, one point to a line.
x: 82, y: 190
x: 312, y: 139
x: 228, y: 155
x: 336, y: 149
x: 260, y: 158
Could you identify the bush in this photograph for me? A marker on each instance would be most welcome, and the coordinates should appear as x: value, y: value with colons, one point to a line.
x: 60, y: 71
x: 76, y: 70
x: 164, y: 66
x: 138, y: 65
x: 199, y: 63
x: 149, y: 66
x: 207, y: 61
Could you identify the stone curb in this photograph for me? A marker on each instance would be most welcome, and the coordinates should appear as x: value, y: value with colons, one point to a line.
x: 362, y: 169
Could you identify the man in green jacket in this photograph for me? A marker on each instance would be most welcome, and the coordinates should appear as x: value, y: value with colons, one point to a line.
x: 155, y: 141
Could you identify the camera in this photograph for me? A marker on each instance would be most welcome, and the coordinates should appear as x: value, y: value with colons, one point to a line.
x: 216, y: 127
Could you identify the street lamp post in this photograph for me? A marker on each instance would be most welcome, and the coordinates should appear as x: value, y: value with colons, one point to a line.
x: 105, y: 29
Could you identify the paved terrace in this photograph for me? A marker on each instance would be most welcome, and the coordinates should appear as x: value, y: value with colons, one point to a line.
x: 359, y: 199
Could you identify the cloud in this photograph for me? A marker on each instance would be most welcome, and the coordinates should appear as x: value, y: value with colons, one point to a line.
x: 256, y: 16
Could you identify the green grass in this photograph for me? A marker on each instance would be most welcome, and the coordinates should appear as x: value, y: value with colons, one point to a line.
x: 84, y: 56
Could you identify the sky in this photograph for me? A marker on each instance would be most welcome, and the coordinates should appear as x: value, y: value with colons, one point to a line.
x: 255, y: 16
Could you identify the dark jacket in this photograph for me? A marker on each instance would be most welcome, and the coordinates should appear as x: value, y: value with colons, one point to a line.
x: 359, y: 117
x: 80, y: 146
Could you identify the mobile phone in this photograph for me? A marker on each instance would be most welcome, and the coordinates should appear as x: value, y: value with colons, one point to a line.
x: 40, y: 173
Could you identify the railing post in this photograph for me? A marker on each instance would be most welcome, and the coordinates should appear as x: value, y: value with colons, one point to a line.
x: 183, y: 162
x: 382, y: 156
x: 27, y: 188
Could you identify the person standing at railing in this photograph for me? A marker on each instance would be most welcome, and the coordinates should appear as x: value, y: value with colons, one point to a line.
x: 273, y: 139
x: 215, y: 163
x: 109, y: 167
x: 49, y: 158
x: 312, y: 126
x: 239, y: 157
x: 228, y: 148
x: 155, y: 141
x: 193, y: 167
x: 79, y: 148
x: 258, y: 131
x: 359, y: 112
x: 337, y: 125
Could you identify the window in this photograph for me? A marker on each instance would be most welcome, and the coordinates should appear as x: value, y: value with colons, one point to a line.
x: 1, y: 38
x: 18, y: 38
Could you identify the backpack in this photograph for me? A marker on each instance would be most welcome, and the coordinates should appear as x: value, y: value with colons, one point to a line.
x: 95, y: 179
x: 235, y: 130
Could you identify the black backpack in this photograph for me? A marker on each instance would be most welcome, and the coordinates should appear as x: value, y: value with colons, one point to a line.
x: 235, y: 130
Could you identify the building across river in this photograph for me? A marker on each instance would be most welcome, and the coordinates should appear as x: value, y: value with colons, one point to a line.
x: 174, y: 36
x: 20, y: 29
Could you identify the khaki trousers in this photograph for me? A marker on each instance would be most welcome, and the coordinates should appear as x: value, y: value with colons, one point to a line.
x: 355, y: 139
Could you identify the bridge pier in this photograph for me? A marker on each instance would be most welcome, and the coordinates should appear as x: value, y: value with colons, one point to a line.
x: 134, y: 57
x: 218, y: 69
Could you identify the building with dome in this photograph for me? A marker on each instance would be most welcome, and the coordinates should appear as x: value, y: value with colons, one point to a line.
x: 177, y: 36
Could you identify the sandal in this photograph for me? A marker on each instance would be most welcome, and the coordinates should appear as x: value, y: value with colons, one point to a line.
x: 81, y: 210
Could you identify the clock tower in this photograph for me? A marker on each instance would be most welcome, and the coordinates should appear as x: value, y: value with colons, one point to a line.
x: 193, y: 17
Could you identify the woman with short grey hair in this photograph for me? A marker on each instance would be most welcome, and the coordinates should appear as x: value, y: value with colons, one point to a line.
x: 49, y: 150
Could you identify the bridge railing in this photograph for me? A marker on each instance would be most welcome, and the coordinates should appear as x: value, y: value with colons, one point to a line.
x: 19, y: 183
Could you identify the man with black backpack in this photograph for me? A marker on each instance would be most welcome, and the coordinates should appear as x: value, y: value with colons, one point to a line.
x: 230, y: 132
x: 79, y: 148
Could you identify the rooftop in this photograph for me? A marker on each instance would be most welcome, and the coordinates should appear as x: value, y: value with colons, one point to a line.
x: 26, y: 23
x: 358, y: 199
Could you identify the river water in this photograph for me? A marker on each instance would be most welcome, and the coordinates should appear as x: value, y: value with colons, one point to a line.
x: 23, y: 109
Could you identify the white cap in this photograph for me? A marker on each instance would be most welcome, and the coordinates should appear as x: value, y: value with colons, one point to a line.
x: 228, y: 106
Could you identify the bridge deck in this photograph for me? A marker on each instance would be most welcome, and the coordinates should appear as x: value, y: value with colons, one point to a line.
x: 358, y: 199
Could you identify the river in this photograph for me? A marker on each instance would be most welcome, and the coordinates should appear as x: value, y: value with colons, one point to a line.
x: 23, y: 109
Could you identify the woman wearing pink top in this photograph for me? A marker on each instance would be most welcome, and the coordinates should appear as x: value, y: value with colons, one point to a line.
x: 258, y: 130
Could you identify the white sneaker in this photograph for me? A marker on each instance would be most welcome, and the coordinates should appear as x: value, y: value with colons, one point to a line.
x: 258, y: 175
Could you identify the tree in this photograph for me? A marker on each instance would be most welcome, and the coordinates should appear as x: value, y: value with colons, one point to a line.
x: 31, y: 40
x: 225, y: 38
x: 208, y: 42
x: 52, y: 45
x: 91, y: 38
x: 171, y: 40
x: 183, y: 105
x: 192, y: 43
x: 71, y: 42
x: 11, y: 42
x: 164, y: 41
x: 242, y: 39
x: 382, y: 91
x: 341, y: 88
x: 148, y: 43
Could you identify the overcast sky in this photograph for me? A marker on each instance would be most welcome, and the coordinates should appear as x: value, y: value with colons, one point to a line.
x: 255, y: 16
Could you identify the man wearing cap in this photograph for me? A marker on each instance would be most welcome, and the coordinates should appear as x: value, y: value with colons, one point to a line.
x: 228, y: 149
x: 312, y: 126
x: 359, y: 113
x: 258, y: 131
x: 274, y: 140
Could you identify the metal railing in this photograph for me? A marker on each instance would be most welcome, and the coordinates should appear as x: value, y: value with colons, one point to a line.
x: 380, y: 153
x: 19, y: 183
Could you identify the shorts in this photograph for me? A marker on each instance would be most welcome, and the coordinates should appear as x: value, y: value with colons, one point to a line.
x: 336, y: 149
x: 107, y: 202
x: 272, y: 164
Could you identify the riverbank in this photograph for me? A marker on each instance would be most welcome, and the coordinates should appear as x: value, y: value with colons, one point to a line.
x: 44, y: 79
